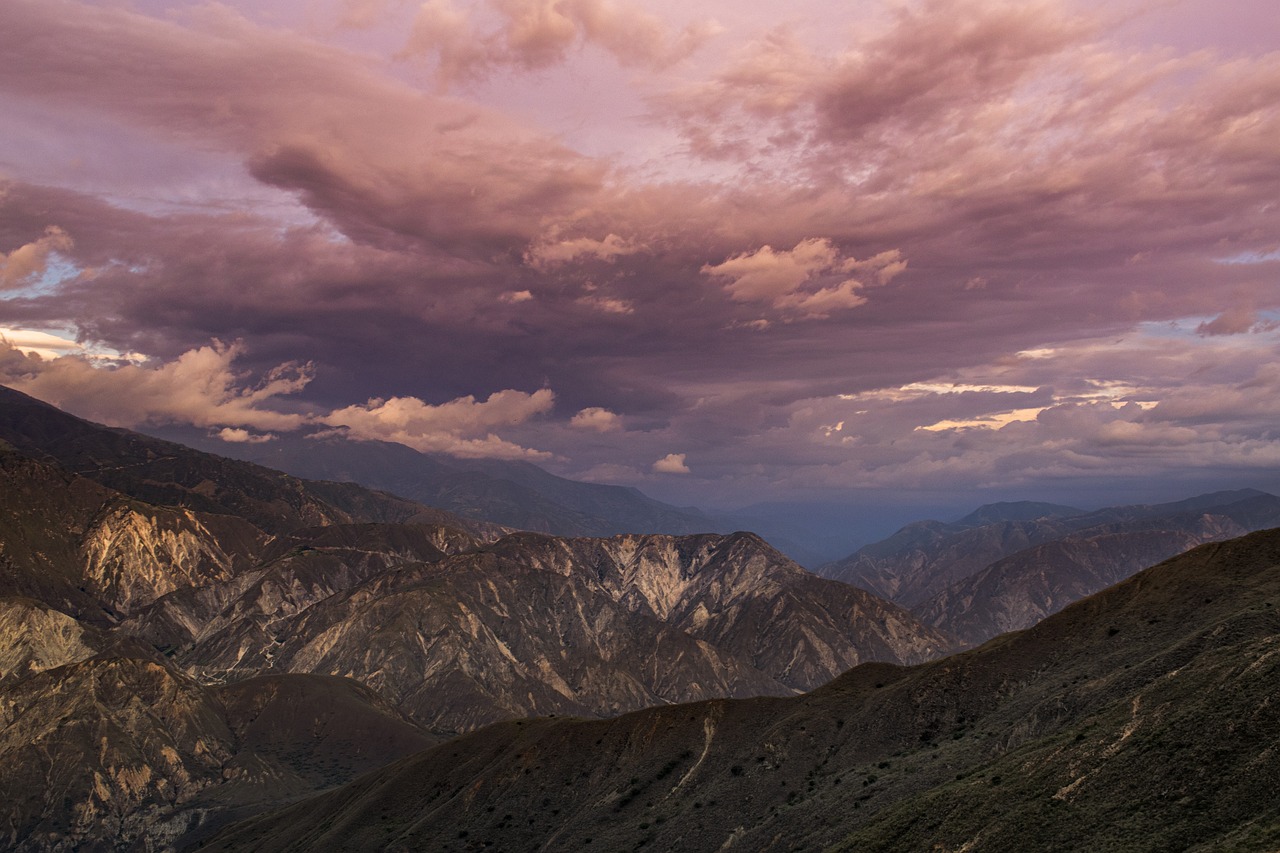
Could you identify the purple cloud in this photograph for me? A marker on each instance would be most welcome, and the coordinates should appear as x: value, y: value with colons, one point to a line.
x: 809, y: 231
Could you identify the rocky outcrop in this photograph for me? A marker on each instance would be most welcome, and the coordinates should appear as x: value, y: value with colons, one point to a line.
x: 742, y: 595
x: 35, y: 637
x: 134, y: 554
x: 118, y: 749
x: 475, y: 639
x: 534, y: 625
x: 96, y: 554
x: 293, y: 573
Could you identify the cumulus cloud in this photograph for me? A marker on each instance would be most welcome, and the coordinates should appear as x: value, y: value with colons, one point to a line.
x: 462, y: 427
x: 606, y: 304
x: 780, y: 277
x: 550, y: 253
x: 38, y: 343
x: 534, y: 34
x: 30, y: 260
x: 596, y: 418
x: 203, y: 388
x: 236, y: 435
x: 672, y: 463
x: 200, y: 387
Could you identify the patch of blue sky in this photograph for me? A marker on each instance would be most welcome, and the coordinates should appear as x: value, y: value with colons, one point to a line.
x: 1190, y: 329
x: 57, y: 270
x: 1181, y: 328
x: 1251, y: 257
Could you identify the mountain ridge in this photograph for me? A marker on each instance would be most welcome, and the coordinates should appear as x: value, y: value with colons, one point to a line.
x: 513, y: 493
x: 979, y: 577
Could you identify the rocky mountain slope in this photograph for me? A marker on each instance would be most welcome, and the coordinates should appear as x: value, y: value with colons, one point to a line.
x: 1140, y: 718
x: 97, y: 554
x: 114, y: 745
x: 533, y: 624
x: 925, y: 557
x: 1020, y: 590
x: 1003, y: 567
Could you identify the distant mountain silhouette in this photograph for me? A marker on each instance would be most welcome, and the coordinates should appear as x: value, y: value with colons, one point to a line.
x: 1006, y: 566
x: 512, y: 493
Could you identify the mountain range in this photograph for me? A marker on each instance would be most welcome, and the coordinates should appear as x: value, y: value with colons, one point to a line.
x: 188, y: 638
x: 199, y: 652
x: 1007, y: 566
x: 1141, y: 718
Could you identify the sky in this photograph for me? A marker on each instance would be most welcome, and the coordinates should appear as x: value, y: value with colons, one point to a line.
x: 878, y: 252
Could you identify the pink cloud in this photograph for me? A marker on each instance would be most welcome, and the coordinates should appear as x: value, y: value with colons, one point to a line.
x: 1235, y: 321
x: 779, y: 278
x: 550, y: 253
x: 1056, y: 188
x: 462, y: 427
x: 597, y: 419
x: 236, y: 435
x: 672, y: 463
x: 200, y: 387
x: 385, y: 162
x: 535, y: 34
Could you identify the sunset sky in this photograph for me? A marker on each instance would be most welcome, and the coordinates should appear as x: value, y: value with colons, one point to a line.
x: 882, y: 251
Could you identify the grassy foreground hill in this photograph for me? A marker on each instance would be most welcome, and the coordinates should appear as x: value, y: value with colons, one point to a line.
x: 1144, y: 718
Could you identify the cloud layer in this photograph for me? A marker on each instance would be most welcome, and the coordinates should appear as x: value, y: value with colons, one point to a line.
x: 770, y: 243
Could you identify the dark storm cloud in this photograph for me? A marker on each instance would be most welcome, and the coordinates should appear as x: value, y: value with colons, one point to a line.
x: 973, y: 180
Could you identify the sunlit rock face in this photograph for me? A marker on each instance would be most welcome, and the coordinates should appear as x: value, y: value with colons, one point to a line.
x: 34, y: 637
x: 534, y: 624
x: 134, y: 555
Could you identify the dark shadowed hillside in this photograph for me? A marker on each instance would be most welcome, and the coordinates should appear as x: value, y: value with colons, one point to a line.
x: 161, y: 472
